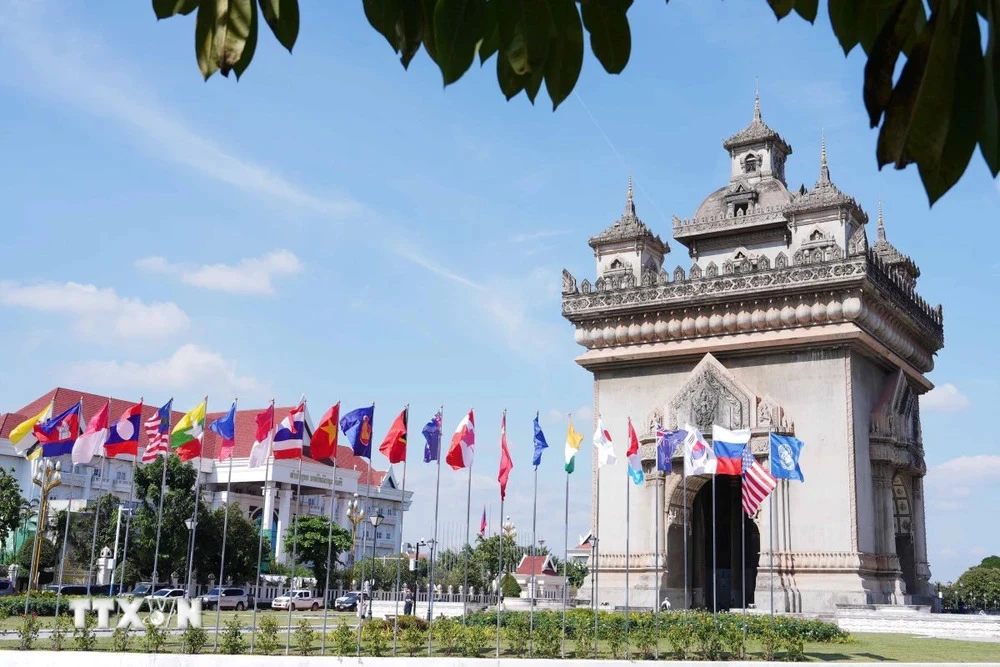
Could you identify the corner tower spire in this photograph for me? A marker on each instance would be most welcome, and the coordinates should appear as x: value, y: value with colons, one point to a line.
x: 757, y: 152
x: 824, y: 169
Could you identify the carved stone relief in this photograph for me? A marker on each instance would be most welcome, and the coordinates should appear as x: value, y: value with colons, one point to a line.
x: 711, y: 395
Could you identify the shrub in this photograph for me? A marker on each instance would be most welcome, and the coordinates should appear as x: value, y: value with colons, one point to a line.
x: 412, y: 622
x: 232, y: 639
x: 794, y: 649
x: 446, y: 632
x: 344, y: 640
x: 473, y: 640
x: 193, y: 640
x: 614, y: 634
x: 85, y: 638
x: 60, y: 631
x: 27, y: 632
x: 376, y: 638
x: 121, y: 639
x: 412, y: 638
x: 548, y: 641
x: 510, y: 587
x: 707, y: 639
x: 584, y: 636
x: 155, y: 638
x: 680, y: 634
x: 644, y: 638
x: 304, y: 636
x: 516, y: 633
x: 768, y: 642
x: 266, y: 636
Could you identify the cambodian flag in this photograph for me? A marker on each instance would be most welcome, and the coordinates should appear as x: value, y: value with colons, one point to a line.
x: 728, y: 447
x: 124, y: 435
x: 58, y: 434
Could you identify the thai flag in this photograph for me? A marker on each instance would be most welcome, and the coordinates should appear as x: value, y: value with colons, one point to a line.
x: 290, y: 434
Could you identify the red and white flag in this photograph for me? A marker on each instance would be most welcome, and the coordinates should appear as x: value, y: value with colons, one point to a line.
x: 264, y: 438
x: 463, y: 444
x: 93, y: 438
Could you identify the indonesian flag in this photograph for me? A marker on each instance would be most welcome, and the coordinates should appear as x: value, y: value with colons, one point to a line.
x: 290, y: 434
x: 264, y: 438
x: 463, y: 444
x: 93, y: 438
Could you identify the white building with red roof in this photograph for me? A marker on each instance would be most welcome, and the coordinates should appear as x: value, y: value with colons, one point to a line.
x: 272, y: 500
x: 537, y: 576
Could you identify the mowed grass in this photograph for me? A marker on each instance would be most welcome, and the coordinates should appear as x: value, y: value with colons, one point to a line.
x: 863, y: 648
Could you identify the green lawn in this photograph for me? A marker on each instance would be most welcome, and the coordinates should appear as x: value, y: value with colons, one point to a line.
x: 334, y: 619
x: 864, y: 648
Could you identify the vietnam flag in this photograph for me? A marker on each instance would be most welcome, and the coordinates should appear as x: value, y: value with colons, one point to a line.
x: 124, y: 435
x: 463, y: 444
x: 187, y: 436
x: 323, y: 444
x: 394, y: 445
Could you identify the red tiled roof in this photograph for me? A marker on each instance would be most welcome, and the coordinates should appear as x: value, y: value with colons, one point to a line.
x: 245, y: 426
x: 536, y: 565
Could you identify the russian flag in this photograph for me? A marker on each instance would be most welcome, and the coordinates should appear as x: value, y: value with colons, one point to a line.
x: 728, y: 447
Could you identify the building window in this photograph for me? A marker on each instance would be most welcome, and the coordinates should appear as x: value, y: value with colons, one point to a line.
x: 740, y: 209
x: 750, y: 165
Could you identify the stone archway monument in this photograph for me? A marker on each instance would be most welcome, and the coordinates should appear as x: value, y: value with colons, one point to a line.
x: 779, y: 317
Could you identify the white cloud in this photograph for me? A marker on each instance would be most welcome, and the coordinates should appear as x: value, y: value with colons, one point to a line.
x: 190, y: 368
x: 96, y: 312
x: 951, y: 483
x: 250, y: 276
x: 944, y: 398
x: 94, y: 82
x: 526, y: 237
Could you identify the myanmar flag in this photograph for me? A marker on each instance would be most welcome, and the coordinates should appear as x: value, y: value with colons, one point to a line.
x: 573, y: 440
x: 187, y: 436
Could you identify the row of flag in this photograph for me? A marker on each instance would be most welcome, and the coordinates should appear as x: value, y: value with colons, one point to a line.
x: 729, y: 453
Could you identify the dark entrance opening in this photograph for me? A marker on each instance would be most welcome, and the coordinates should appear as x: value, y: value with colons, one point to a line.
x: 737, y: 545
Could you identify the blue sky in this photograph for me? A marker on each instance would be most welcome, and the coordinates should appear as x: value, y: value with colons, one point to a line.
x: 335, y: 225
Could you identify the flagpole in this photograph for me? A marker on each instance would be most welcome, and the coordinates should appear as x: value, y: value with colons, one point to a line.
x: 628, y: 555
x: 500, y: 574
x: 260, y: 535
x: 685, y: 528
x: 743, y: 573
x: 197, y: 501
x: 62, y: 558
x: 225, y: 533
x: 128, y: 519
x: 656, y: 565
x: 434, y: 546
x: 363, y: 608
x: 715, y: 575
x: 466, y: 549
x: 97, y: 518
x: 329, y: 550
x: 597, y: 553
x: 565, y: 567
x: 770, y: 530
x: 163, y: 486
x: 295, y: 546
x: 534, y: 588
x: 395, y: 623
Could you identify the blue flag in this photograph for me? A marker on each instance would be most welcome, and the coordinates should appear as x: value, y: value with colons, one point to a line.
x: 357, y: 426
x: 540, y: 444
x: 432, y: 438
x: 666, y: 443
x: 226, y: 426
x: 785, y: 451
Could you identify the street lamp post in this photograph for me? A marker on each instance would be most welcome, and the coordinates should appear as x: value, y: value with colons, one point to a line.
x: 48, y: 477
x: 431, y: 555
x: 376, y: 520
x: 355, y: 514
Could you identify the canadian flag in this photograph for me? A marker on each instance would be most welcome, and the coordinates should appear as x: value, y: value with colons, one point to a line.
x: 463, y: 444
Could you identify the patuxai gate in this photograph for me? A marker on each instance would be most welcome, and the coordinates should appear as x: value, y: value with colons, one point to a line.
x: 779, y: 315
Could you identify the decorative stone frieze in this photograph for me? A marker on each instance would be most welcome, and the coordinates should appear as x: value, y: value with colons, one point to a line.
x: 792, y: 562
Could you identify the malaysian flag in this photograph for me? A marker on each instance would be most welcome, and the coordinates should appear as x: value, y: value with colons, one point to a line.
x: 757, y: 482
x: 158, y: 433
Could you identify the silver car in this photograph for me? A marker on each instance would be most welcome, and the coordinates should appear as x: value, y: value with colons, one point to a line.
x: 225, y: 598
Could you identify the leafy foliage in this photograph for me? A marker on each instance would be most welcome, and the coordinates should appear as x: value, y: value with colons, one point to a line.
x: 155, y: 638
x: 12, y: 503
x: 991, y: 562
x: 85, y: 639
x: 27, y: 632
x: 304, y: 637
x: 81, y: 529
x: 121, y: 639
x: 193, y: 639
x: 944, y: 102
x: 311, y: 542
x: 266, y: 636
x: 232, y: 642
x: 343, y: 640
x: 60, y: 632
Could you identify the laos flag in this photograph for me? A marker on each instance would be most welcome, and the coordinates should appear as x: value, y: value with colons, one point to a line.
x: 123, y: 437
x: 728, y: 447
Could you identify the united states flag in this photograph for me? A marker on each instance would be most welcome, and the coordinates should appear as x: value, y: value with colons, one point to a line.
x: 757, y: 482
x: 158, y: 433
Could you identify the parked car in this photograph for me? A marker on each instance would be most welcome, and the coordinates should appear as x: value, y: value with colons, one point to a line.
x: 225, y: 598
x: 6, y: 587
x: 144, y: 589
x: 347, y: 602
x: 67, y: 589
x: 298, y: 599
x: 104, y: 590
x: 166, y: 593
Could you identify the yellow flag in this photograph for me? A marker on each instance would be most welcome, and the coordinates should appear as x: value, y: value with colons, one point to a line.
x: 24, y: 428
x: 186, y: 437
x: 34, y: 452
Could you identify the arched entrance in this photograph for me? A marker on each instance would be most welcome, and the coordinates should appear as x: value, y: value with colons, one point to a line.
x: 903, y: 525
x: 734, y: 577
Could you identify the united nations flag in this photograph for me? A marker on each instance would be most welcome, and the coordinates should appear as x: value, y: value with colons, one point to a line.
x: 785, y: 451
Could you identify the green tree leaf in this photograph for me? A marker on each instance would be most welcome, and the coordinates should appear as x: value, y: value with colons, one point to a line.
x: 282, y: 16
x: 250, y: 48
x: 410, y: 30
x: 164, y: 9
x: 610, y: 35
x: 884, y: 54
x: 458, y: 29
x: 384, y: 15
x: 989, y: 131
x: 565, y: 60
x: 204, y: 38
x: 428, y: 37
x: 807, y: 9
x: 491, y: 33
x: 511, y: 83
x: 232, y: 29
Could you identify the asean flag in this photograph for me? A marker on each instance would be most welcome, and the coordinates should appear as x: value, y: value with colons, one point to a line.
x: 124, y: 436
x: 463, y: 444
